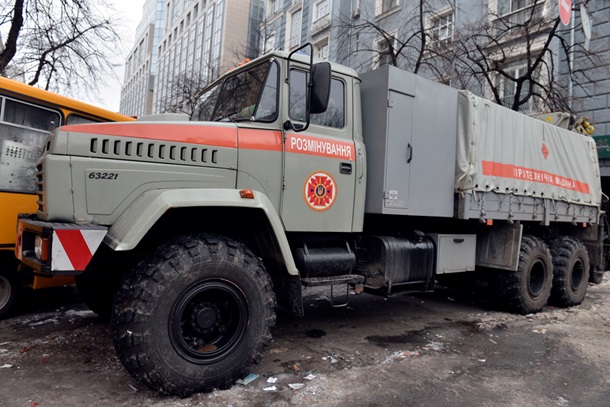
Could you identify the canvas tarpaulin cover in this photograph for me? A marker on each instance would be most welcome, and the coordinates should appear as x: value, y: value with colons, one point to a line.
x: 506, y: 152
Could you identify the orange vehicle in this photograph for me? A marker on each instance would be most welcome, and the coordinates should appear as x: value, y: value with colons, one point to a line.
x: 27, y: 116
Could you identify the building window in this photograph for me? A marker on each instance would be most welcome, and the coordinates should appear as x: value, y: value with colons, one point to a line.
x: 217, y: 37
x: 295, y: 29
x: 321, y: 9
x: 512, y: 14
x: 510, y: 6
x: 384, y: 6
x: 508, y: 88
x: 207, y: 50
x: 320, y: 49
x: 175, y: 10
x: 269, y: 43
x: 384, y: 51
x: 441, y: 27
x: 273, y: 7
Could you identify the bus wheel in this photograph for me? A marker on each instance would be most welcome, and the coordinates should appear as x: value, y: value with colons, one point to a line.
x: 528, y: 289
x: 10, y: 291
x: 193, y: 316
x: 570, y: 272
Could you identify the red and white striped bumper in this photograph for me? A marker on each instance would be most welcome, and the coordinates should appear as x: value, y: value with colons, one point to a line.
x: 63, y: 248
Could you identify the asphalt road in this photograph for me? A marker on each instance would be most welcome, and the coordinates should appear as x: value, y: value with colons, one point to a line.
x: 443, y: 349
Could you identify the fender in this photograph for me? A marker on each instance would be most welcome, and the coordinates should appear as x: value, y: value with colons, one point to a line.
x: 133, y: 224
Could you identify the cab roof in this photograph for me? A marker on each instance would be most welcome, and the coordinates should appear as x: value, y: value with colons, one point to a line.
x: 303, y: 58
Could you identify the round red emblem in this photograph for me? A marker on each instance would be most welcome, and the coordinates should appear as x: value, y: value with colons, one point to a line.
x: 320, y: 191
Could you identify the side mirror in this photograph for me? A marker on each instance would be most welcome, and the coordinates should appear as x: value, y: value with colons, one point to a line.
x: 320, y: 93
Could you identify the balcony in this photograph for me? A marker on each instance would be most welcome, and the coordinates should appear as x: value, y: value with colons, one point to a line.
x: 509, y: 23
x: 320, y: 24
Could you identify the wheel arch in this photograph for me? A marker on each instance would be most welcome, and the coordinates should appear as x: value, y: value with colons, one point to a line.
x: 160, y: 213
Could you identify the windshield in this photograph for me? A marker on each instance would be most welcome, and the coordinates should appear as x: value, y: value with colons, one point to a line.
x: 249, y: 95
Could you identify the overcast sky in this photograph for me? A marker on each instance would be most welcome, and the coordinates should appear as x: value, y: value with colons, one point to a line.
x: 110, y: 95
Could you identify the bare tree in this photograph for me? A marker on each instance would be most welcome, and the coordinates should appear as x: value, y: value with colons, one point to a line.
x: 411, y: 44
x: 362, y: 34
x: 513, y: 56
x: 185, y: 91
x: 59, y: 44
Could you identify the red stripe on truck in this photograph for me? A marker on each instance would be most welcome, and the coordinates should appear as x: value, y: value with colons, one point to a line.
x: 494, y: 169
x: 218, y: 136
x: 75, y: 246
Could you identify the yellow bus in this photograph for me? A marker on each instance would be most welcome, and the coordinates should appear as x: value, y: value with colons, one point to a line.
x: 27, y: 116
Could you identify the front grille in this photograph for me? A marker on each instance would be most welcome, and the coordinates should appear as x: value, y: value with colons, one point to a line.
x: 152, y: 150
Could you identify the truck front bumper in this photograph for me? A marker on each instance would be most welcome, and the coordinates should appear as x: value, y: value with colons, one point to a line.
x: 56, y: 248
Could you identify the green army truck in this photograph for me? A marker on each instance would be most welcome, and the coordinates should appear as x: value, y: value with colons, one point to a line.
x: 189, y: 232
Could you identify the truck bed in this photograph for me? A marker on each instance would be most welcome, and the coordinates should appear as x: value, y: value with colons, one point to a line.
x: 435, y: 151
x: 511, y: 166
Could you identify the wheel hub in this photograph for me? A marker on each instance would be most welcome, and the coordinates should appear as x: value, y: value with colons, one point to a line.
x: 205, y: 317
x: 208, y: 321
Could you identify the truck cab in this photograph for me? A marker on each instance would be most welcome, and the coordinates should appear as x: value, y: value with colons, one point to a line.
x: 313, y: 176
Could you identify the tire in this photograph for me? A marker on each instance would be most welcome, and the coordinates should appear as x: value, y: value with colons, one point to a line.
x: 194, y: 315
x: 528, y: 289
x: 570, y: 272
x: 11, y: 288
x: 596, y: 276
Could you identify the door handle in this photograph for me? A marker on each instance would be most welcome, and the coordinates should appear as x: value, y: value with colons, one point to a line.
x: 409, y: 153
x: 360, y: 165
x: 345, y: 168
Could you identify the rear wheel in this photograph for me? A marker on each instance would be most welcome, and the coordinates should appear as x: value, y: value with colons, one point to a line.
x: 194, y: 315
x: 528, y: 289
x: 570, y: 272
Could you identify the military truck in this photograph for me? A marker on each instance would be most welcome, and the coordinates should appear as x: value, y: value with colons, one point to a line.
x: 190, y: 232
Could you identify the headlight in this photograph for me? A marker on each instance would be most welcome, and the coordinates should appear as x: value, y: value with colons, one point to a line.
x: 41, y: 248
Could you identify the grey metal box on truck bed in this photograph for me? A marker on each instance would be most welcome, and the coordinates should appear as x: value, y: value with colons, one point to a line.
x: 409, y: 128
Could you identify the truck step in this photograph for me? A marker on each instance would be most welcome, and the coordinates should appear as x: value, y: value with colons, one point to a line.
x: 332, y: 280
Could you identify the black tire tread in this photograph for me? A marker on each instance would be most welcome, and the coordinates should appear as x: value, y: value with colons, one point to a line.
x: 563, y: 249
x: 511, y: 284
x: 140, y: 290
x: 16, y: 291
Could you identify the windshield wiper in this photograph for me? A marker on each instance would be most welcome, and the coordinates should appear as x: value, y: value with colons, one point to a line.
x: 226, y: 117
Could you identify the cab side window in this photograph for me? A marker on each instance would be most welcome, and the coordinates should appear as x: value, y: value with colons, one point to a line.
x: 334, y: 116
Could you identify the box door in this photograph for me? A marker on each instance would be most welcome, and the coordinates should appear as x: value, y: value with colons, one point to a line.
x: 399, y: 153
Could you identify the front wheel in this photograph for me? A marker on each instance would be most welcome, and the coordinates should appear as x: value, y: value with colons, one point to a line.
x: 194, y: 315
x: 528, y: 289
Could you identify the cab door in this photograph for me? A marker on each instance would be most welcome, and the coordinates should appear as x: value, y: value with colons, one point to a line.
x: 319, y: 163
